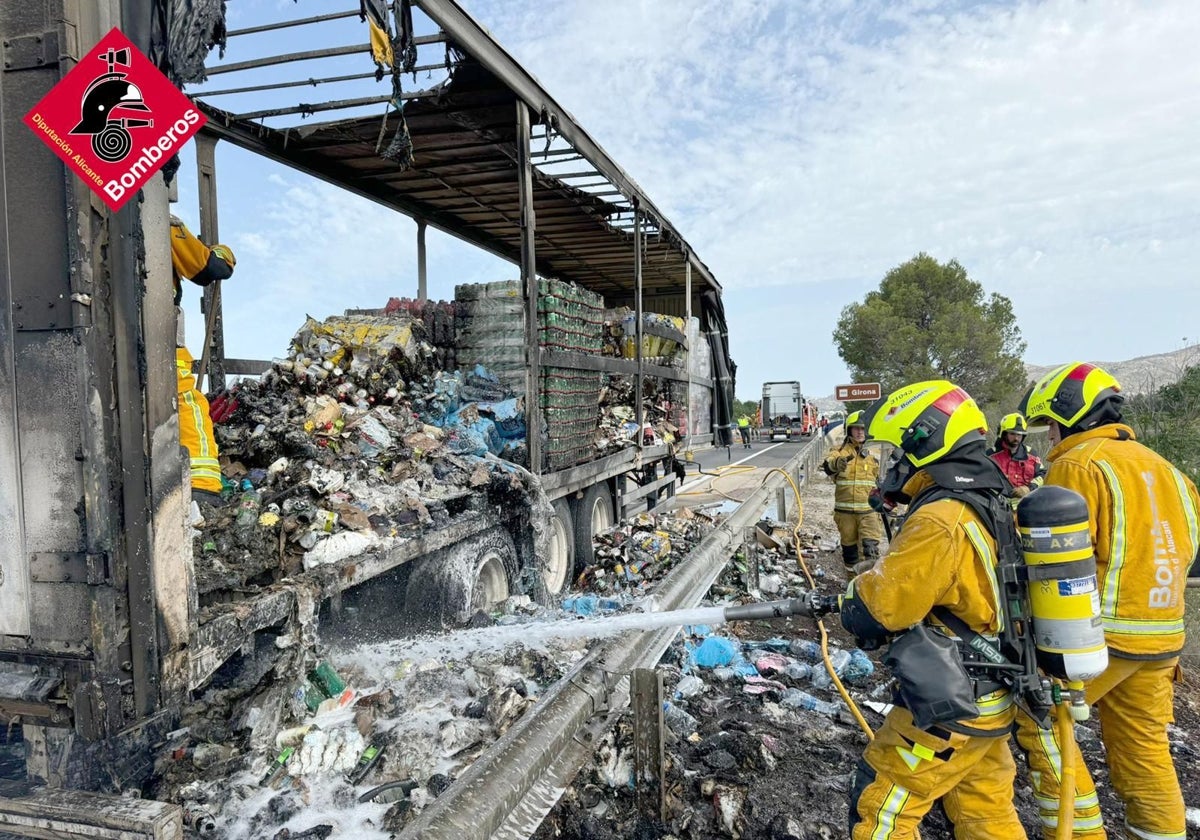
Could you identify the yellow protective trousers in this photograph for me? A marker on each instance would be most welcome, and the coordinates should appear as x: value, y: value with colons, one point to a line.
x: 195, y: 427
x: 1135, y: 698
x: 853, y: 528
x: 905, y: 770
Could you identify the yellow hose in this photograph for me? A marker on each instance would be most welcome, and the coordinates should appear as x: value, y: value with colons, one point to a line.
x: 1066, y: 788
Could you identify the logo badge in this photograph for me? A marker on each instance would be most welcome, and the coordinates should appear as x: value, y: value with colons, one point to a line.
x: 115, y: 119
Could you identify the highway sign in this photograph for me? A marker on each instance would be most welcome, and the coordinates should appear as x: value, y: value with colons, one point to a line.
x: 857, y: 392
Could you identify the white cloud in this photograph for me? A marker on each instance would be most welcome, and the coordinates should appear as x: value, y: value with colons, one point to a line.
x: 821, y: 144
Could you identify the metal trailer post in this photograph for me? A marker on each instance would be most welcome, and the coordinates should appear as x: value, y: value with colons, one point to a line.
x: 637, y: 317
x: 529, y: 287
x: 422, y: 288
x: 212, y: 357
x: 687, y: 330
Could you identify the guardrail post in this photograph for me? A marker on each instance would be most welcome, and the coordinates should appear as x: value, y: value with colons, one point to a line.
x: 750, y: 550
x: 781, y: 503
x: 646, y: 696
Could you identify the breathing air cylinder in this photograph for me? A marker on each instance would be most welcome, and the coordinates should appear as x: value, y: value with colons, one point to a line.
x: 1064, y: 598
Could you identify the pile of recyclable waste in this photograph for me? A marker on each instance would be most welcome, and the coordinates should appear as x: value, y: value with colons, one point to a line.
x: 634, y: 555
x: 376, y: 732
x: 663, y: 413
x: 356, y: 436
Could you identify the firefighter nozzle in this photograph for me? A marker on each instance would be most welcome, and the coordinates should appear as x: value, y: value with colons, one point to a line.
x: 810, y: 605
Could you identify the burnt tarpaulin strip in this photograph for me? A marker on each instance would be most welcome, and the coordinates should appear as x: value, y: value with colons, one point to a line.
x: 405, y: 37
x: 374, y: 12
x: 712, y: 313
x: 194, y: 27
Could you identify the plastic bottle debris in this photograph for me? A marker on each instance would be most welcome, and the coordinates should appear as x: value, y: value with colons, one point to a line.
x: 794, y: 698
x: 839, y: 659
x: 678, y: 721
x: 278, y: 767
x: 366, y: 761
x: 798, y: 671
x: 689, y: 686
x: 860, y: 666
x: 248, y: 507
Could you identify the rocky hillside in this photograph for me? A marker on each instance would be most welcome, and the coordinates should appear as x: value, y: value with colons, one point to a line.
x: 1145, y: 373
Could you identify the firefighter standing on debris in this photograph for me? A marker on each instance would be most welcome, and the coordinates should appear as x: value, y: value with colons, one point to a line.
x: 855, y: 471
x: 1144, y: 521
x: 1024, y: 470
x: 194, y: 261
x: 942, y: 564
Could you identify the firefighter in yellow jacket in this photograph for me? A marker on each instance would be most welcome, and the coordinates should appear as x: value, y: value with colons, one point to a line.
x: 855, y: 471
x: 192, y: 260
x: 939, y: 569
x: 1144, y: 515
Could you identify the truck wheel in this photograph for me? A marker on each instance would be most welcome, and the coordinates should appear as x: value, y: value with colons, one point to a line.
x: 559, y: 568
x: 593, y: 515
x: 449, y: 586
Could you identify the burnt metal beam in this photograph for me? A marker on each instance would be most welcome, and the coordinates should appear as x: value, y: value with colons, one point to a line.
x: 335, y: 105
x: 306, y: 55
x: 288, y: 24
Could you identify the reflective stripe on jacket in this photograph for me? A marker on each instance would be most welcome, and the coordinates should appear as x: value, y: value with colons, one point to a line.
x: 856, y: 481
x: 1144, y: 525
x: 944, y: 556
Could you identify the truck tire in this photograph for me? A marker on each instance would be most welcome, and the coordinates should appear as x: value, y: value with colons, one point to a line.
x: 593, y: 514
x: 559, y: 568
x: 450, y: 585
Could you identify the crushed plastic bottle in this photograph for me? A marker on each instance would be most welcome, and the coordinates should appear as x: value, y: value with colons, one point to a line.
x: 806, y: 649
x: 798, y: 671
x: 859, y: 668
x: 679, y: 721
x: 689, y: 686
x: 794, y: 698
x: 248, y: 508
x: 820, y: 674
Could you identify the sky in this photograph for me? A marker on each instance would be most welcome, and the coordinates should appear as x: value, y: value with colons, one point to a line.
x: 803, y: 149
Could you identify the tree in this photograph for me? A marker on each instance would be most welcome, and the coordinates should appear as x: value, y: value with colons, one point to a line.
x: 932, y: 321
x: 746, y: 407
x: 1168, y: 421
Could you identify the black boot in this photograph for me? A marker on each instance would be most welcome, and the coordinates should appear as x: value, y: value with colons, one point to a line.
x: 850, y: 558
x: 870, y: 550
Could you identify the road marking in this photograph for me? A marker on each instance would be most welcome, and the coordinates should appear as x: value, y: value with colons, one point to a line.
x: 697, y: 482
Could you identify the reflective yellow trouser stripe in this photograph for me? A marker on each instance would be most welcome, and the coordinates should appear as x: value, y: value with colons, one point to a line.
x: 893, y: 806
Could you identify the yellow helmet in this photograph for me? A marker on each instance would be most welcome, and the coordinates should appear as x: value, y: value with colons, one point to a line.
x: 1069, y: 393
x: 1014, y: 422
x: 855, y: 418
x: 225, y: 253
x: 927, y: 420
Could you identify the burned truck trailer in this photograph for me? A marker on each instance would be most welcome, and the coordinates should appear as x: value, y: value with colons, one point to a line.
x: 103, y: 634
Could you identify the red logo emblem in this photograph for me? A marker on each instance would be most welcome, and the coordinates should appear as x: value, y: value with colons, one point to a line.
x: 115, y: 119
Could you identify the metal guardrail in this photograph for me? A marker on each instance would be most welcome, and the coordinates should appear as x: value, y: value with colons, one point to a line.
x: 509, y: 789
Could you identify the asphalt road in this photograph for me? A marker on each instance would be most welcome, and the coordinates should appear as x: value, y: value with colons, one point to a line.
x: 733, y: 474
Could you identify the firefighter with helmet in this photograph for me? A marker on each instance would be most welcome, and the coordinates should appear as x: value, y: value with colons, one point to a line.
x: 855, y: 471
x: 1145, y: 515
x: 1024, y: 470
x: 938, y: 574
